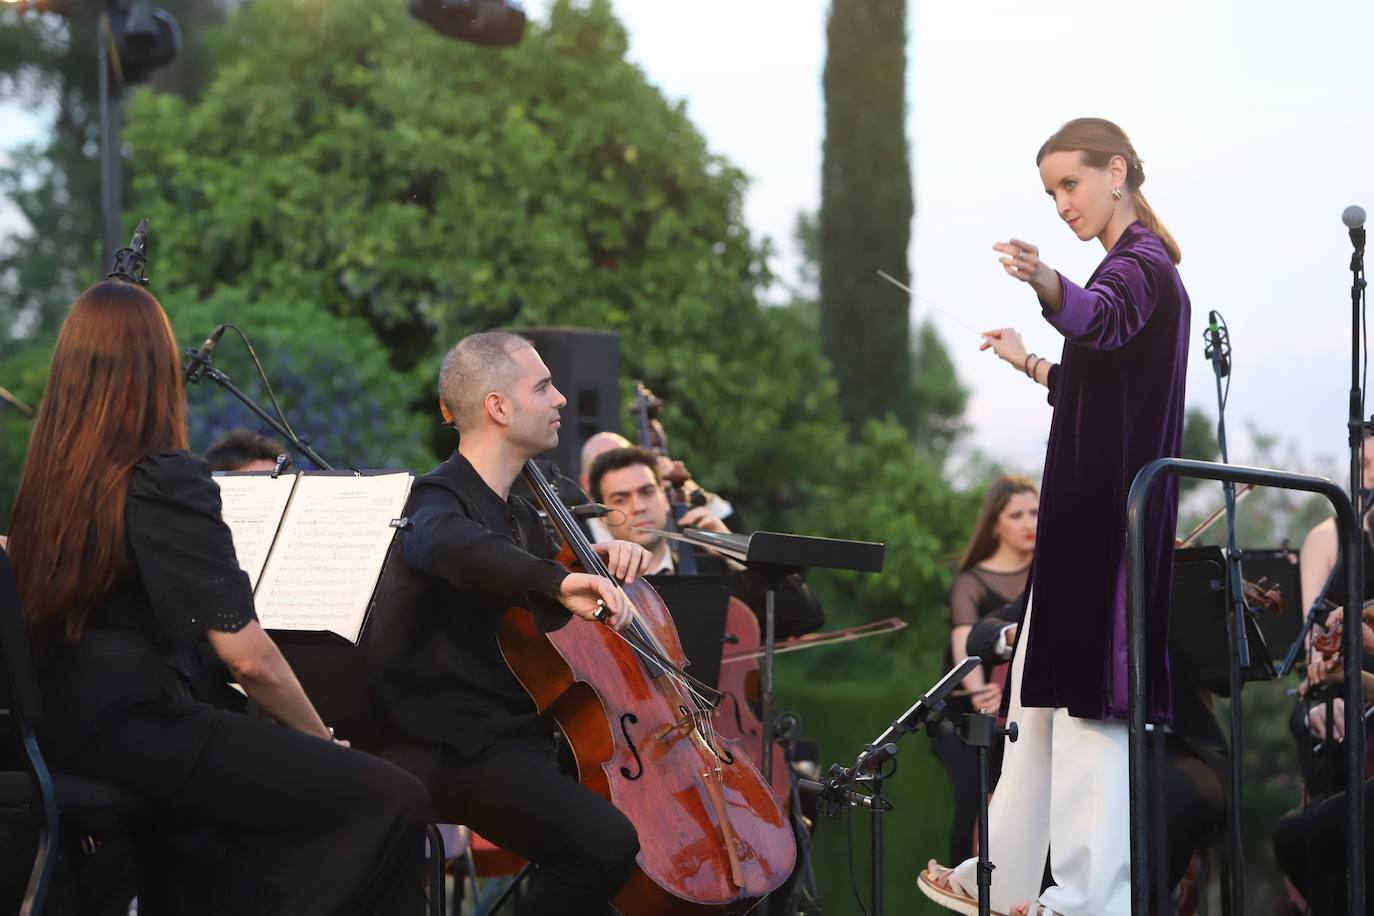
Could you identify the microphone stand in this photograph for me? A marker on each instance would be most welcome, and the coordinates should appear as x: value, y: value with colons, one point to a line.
x: 1353, y: 642
x: 204, y: 367
x: 842, y: 786
x: 1219, y: 352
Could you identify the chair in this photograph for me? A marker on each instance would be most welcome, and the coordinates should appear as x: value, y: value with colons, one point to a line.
x: 54, y: 795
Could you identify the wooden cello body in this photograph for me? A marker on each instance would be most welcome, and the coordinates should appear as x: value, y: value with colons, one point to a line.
x: 713, y: 839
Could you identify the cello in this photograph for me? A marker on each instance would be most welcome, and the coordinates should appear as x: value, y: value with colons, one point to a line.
x: 713, y: 838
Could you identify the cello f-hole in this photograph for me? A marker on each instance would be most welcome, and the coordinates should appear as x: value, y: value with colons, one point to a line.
x: 631, y: 719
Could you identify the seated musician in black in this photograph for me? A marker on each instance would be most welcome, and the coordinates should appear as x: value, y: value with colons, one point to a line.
x: 463, y: 723
x: 1195, y: 757
x: 124, y: 566
x: 627, y: 481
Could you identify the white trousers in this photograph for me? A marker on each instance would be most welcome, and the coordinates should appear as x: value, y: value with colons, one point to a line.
x: 1065, y: 791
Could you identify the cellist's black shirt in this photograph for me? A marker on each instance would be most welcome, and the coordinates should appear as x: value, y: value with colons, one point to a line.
x: 468, y: 556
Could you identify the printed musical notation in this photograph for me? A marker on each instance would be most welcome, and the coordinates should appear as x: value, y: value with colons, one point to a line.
x: 252, y: 506
x: 327, y: 553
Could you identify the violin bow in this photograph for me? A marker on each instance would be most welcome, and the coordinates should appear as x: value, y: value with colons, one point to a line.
x: 828, y: 638
x: 1242, y: 491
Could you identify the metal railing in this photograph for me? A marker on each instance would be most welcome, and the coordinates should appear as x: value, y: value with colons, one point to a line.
x: 1349, y: 529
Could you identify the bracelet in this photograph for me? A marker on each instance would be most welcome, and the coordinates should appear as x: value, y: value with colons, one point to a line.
x: 1035, y: 370
x: 1027, y: 367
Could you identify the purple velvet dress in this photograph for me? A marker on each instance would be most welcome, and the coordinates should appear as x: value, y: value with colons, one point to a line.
x: 1118, y: 405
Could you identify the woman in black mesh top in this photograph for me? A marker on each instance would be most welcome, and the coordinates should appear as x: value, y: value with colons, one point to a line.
x: 125, y: 567
x: 992, y: 573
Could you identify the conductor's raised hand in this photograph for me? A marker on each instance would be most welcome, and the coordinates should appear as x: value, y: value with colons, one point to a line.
x: 1007, y: 344
x: 588, y: 596
x: 1022, y: 261
x: 625, y: 560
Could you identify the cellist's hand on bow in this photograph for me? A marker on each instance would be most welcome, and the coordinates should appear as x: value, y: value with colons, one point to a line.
x: 587, y: 596
x: 625, y: 560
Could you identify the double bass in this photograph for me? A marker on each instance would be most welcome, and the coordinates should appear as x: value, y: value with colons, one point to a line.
x: 713, y: 838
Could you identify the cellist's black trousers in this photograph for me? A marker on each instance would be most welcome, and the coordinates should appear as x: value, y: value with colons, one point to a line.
x: 514, y: 795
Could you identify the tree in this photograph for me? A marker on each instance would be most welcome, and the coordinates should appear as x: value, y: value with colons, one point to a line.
x: 49, y: 63
x: 866, y: 209
x: 432, y: 189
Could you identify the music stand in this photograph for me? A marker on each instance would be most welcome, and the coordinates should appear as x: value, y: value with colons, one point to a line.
x: 1280, y: 567
x: 698, y: 605
x: 1199, y: 648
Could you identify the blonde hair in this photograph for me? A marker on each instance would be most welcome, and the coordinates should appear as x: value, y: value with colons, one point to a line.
x: 1100, y: 141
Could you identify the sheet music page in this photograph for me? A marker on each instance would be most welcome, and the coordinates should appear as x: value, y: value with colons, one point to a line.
x: 329, y: 552
x: 252, y: 507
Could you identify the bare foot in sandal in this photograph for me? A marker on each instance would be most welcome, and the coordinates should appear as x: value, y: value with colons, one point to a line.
x: 1033, y: 908
x: 938, y: 883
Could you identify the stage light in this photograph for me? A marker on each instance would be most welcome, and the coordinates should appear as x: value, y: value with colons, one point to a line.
x: 146, y: 38
x: 490, y: 23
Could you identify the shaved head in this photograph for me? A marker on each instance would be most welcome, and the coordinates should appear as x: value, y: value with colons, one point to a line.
x: 600, y: 443
x: 475, y: 367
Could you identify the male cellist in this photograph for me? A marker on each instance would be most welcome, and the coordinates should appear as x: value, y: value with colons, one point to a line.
x: 468, y: 729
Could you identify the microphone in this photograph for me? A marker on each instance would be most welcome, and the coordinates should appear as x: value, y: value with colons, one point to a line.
x: 130, y: 262
x: 1353, y: 217
x: 589, y: 510
x: 201, y: 357
x: 1216, y: 351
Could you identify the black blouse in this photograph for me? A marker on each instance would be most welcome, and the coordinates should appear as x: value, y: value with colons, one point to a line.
x: 185, y: 576
x: 135, y: 658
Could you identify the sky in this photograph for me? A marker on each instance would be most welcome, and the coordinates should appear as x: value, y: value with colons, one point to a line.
x: 1254, y: 121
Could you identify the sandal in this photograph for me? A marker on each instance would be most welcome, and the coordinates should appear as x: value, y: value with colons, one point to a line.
x: 1033, y: 908
x: 935, y: 882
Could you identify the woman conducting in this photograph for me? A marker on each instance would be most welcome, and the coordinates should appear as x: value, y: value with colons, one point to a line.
x: 1118, y: 405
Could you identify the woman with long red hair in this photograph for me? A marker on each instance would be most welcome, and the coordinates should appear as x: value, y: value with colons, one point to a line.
x: 125, y: 569
x: 1118, y: 405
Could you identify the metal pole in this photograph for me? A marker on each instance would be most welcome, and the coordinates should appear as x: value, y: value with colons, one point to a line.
x: 1348, y: 525
x: 111, y: 191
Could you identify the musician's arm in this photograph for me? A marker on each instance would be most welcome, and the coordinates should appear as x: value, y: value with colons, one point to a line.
x: 985, y: 636
x: 259, y: 668
x: 1317, y: 559
x: 185, y: 557
x: 445, y: 542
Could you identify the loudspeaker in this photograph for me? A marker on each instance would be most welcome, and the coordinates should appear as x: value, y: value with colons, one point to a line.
x: 585, y: 365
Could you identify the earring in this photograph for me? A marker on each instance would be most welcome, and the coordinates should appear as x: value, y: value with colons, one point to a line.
x: 1116, y: 193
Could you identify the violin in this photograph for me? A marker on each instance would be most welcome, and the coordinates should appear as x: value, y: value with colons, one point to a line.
x: 713, y: 838
x: 653, y: 437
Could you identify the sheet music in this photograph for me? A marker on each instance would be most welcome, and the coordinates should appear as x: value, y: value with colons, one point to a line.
x: 252, y: 507
x: 329, y: 552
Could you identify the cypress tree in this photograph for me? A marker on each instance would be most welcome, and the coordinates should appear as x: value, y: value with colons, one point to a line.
x: 866, y: 210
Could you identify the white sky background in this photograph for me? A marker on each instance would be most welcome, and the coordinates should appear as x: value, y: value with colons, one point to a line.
x: 1254, y: 120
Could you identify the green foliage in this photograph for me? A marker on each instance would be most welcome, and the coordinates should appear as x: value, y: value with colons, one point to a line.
x: 1199, y: 443
x: 26, y: 368
x: 358, y: 192
x: 331, y: 377
x: 434, y: 189
x: 866, y: 210
x: 49, y: 63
